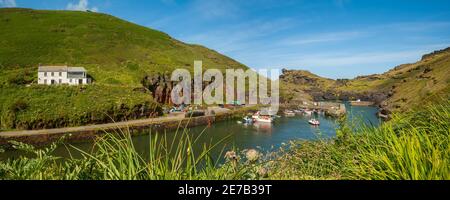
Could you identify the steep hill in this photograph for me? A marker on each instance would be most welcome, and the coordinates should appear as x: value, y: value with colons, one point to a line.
x: 404, y: 87
x: 121, y: 58
x: 113, y: 50
x: 299, y: 86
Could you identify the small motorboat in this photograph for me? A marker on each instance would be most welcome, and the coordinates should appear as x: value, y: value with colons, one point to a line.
x: 308, y: 112
x: 298, y: 111
x: 265, y: 119
x: 289, y: 113
x: 256, y: 115
x: 314, y: 122
x: 247, y: 120
x: 276, y: 116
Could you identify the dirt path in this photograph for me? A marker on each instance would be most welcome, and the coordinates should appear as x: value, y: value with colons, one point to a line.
x: 98, y: 127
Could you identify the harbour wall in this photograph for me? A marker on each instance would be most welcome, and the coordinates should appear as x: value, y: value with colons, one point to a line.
x: 88, y: 133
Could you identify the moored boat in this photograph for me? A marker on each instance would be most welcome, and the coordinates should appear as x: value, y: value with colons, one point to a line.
x: 256, y: 115
x: 314, y: 122
x: 298, y: 112
x: 308, y: 112
x: 264, y: 118
x: 247, y: 120
x: 289, y: 113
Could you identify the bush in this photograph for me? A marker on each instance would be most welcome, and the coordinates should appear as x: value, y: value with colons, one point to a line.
x: 21, y: 78
x: 18, y: 106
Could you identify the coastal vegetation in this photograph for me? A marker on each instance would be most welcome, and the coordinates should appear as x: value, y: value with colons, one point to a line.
x: 398, y: 90
x: 411, y: 146
x: 130, y: 65
x: 117, y: 54
x: 41, y: 107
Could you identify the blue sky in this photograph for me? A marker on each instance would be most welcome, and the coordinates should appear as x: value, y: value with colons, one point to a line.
x: 332, y: 38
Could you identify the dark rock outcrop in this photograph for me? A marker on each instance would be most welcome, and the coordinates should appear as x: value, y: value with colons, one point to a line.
x: 426, y: 56
x: 160, y: 87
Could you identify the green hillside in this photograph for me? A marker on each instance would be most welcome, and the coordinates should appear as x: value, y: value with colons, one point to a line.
x: 410, y: 85
x: 117, y: 54
x: 113, y: 50
x: 404, y: 87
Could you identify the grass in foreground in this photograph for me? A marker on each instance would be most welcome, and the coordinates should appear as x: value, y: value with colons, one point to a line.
x: 412, y: 146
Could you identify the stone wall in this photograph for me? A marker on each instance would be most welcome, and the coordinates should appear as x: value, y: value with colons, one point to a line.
x: 82, y: 135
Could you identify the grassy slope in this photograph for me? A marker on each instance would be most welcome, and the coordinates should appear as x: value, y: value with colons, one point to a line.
x: 411, y: 84
x: 295, y: 90
x: 116, y: 53
x: 113, y: 50
x: 39, y: 107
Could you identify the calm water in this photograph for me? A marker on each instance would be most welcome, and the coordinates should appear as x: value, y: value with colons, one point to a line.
x: 259, y: 135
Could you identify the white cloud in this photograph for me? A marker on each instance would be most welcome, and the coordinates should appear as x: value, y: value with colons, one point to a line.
x: 239, y: 37
x: 321, y: 38
x: 8, y: 3
x: 342, y: 64
x: 83, y: 5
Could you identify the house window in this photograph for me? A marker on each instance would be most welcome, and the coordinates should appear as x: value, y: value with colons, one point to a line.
x: 60, y: 81
x: 53, y: 73
x: 70, y: 80
x: 45, y: 81
x: 60, y: 73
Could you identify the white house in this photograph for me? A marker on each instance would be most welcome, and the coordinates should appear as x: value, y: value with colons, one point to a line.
x: 57, y: 75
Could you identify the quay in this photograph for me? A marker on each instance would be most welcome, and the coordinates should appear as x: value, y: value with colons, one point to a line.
x: 134, y: 127
x: 329, y: 108
x: 177, y: 121
x: 362, y: 103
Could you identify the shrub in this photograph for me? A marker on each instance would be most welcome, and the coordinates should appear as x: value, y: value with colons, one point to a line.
x: 18, y: 106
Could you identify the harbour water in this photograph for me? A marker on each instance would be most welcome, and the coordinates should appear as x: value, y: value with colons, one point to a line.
x: 263, y: 136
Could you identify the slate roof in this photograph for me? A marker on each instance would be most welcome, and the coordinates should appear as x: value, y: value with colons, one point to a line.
x: 61, y: 69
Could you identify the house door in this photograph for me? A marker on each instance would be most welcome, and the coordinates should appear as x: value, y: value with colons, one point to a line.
x: 53, y: 82
x: 80, y: 81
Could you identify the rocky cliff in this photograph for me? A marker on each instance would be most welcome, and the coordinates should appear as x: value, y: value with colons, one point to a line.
x: 402, y: 88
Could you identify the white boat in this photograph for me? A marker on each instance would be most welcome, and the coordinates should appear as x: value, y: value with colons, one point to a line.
x: 308, y: 112
x: 298, y: 111
x: 256, y: 115
x: 247, y: 120
x: 265, y: 119
x: 289, y: 113
x: 314, y: 122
